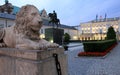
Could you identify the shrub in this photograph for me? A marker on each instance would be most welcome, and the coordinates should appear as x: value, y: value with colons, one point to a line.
x: 111, y: 33
x: 66, y: 38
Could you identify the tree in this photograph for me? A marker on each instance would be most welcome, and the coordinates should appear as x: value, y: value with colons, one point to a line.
x: 111, y: 34
x: 66, y: 38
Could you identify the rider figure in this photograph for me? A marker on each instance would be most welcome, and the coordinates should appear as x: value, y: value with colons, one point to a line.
x: 6, y: 1
x: 54, y: 15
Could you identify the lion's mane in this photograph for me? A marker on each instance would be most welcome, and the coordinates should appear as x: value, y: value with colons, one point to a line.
x: 22, y: 22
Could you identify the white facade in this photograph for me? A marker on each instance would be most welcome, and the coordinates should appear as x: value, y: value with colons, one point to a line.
x: 96, y: 30
x: 72, y: 33
x: 6, y: 22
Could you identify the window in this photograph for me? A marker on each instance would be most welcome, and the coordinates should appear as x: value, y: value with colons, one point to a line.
x: 1, y: 25
x: 42, y: 31
x: 9, y: 25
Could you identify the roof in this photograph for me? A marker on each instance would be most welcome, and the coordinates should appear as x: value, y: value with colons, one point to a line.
x: 7, y: 16
x: 103, y: 20
x: 107, y: 19
x: 15, y: 9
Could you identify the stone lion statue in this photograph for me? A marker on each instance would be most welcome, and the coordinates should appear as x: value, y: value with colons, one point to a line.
x: 25, y: 33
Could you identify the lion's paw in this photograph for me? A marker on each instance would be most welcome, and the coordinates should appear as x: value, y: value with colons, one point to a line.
x: 43, y: 47
x: 53, y: 45
x: 48, y: 45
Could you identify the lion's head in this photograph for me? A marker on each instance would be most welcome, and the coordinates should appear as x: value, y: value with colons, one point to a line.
x: 28, y: 21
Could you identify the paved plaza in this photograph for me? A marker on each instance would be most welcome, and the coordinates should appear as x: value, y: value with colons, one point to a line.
x: 108, y: 65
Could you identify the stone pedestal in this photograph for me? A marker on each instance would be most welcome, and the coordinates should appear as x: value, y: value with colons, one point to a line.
x: 31, y: 62
x: 54, y: 34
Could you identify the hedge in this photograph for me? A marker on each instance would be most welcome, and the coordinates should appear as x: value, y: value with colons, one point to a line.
x: 98, y: 46
x: 97, y: 53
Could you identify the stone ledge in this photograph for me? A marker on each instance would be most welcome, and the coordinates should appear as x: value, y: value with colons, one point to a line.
x: 31, y: 62
x: 30, y: 54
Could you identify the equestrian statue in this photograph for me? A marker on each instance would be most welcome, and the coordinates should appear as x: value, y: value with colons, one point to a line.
x: 53, y: 19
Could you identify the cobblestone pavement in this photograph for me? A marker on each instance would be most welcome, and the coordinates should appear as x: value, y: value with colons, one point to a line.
x: 109, y: 65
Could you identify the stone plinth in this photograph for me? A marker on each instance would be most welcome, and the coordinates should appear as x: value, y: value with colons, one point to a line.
x: 54, y: 34
x: 31, y: 62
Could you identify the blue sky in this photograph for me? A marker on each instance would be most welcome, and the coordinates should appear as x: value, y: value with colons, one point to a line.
x: 74, y: 12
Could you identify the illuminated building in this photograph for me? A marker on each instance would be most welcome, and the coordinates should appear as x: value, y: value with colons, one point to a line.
x: 97, y: 29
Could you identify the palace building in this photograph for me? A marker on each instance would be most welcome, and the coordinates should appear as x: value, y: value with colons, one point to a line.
x: 97, y: 29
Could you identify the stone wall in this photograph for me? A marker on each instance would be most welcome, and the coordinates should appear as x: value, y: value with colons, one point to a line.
x: 31, y: 62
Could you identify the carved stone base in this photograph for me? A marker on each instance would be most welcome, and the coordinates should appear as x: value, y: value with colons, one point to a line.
x: 31, y: 62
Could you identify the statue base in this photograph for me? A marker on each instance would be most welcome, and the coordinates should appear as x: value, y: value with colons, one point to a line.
x: 54, y: 34
x: 31, y: 62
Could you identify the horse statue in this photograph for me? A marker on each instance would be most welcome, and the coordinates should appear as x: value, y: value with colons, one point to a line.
x: 53, y: 19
